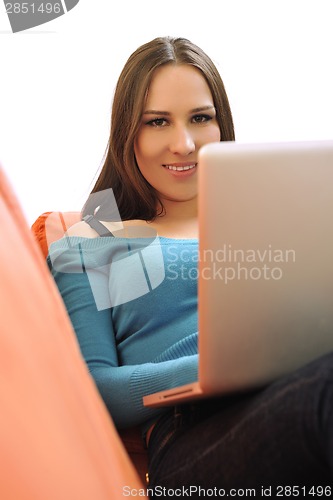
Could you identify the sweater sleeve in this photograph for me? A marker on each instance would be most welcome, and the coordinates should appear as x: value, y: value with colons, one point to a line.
x: 121, y: 387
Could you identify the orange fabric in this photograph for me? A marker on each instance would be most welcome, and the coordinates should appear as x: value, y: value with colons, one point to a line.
x: 51, y: 226
x: 57, y: 439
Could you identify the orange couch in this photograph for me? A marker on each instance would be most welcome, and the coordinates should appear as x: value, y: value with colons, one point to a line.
x: 58, y: 442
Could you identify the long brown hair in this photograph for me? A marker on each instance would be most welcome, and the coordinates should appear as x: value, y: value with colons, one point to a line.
x: 134, y: 196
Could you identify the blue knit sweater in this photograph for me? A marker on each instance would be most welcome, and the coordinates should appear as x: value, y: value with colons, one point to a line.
x: 133, y: 306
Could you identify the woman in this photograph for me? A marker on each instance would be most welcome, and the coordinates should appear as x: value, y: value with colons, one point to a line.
x: 170, y: 101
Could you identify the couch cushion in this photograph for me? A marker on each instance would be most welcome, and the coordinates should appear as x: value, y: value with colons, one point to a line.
x: 51, y: 226
x: 57, y: 439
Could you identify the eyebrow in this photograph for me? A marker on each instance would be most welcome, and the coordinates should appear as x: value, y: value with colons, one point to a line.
x: 167, y: 113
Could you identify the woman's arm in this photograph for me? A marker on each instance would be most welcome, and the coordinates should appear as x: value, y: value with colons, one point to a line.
x: 121, y: 387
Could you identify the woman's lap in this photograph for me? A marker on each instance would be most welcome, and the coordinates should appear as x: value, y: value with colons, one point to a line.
x: 281, y: 435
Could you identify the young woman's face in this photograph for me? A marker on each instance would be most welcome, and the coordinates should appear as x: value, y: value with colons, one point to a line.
x: 178, y: 118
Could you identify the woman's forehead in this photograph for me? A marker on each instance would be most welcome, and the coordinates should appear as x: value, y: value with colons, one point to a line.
x: 177, y: 85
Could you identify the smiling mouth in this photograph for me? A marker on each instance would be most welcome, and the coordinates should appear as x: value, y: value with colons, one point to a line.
x: 180, y: 168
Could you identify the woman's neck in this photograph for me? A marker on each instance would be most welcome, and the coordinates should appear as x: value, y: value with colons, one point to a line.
x: 179, y: 220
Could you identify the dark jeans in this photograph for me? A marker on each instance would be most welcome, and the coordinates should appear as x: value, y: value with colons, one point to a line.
x: 278, y: 437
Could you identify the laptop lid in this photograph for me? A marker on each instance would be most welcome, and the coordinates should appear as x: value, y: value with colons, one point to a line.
x: 266, y: 267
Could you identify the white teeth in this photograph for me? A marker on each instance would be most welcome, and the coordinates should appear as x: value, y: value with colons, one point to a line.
x: 179, y: 169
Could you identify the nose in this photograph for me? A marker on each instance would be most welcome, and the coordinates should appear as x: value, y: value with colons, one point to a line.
x: 182, y: 141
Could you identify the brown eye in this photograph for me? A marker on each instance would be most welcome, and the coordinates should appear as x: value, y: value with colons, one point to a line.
x: 201, y: 118
x: 157, y: 122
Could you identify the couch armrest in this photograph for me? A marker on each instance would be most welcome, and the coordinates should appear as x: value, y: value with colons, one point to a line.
x: 57, y: 439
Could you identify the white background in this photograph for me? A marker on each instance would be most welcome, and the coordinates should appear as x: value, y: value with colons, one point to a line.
x: 57, y: 81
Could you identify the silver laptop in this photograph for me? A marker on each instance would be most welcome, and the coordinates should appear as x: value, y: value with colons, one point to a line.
x: 265, y: 264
